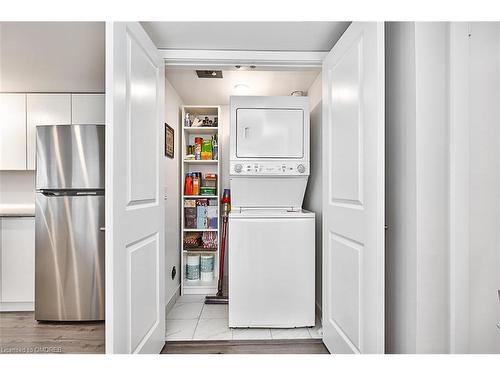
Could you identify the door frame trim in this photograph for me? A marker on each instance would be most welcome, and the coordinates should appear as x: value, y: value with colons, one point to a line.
x: 459, y: 197
x: 222, y: 58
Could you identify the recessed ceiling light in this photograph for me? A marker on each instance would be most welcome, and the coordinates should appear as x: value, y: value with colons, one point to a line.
x: 214, y: 73
x: 241, y: 86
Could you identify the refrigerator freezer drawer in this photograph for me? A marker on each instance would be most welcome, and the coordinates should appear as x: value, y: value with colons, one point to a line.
x: 70, y: 157
x: 69, y: 258
x: 271, y: 272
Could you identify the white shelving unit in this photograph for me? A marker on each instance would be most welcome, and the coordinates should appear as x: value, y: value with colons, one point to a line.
x: 203, y: 166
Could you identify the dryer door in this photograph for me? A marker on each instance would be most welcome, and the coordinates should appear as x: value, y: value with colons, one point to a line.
x: 269, y: 133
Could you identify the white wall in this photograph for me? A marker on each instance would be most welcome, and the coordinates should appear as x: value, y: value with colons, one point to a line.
x: 52, y: 56
x: 417, y: 188
x: 400, y: 245
x: 17, y: 187
x: 484, y: 197
x: 314, y: 193
x: 442, y: 184
x: 432, y: 187
x: 173, y: 113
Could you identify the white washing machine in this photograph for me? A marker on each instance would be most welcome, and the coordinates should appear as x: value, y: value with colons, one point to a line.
x: 271, y: 238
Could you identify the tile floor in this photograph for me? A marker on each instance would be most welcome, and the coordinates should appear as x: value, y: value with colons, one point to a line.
x: 191, y: 319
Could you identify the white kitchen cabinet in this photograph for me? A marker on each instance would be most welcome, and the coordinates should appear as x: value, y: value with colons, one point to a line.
x: 44, y: 109
x: 17, y: 264
x: 87, y: 109
x: 12, y: 131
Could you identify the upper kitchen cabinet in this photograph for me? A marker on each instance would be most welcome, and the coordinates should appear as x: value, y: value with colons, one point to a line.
x: 87, y: 109
x: 44, y: 109
x: 12, y: 131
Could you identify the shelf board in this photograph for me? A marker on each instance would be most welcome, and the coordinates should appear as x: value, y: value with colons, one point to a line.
x: 201, y: 161
x: 199, y: 230
x: 200, y: 250
x: 201, y: 196
x: 188, y: 284
x: 200, y: 129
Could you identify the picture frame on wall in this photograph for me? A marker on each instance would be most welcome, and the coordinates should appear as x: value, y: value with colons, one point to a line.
x: 169, y: 141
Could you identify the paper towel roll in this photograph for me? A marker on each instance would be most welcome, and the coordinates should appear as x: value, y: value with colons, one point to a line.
x: 193, y: 267
x: 207, y: 263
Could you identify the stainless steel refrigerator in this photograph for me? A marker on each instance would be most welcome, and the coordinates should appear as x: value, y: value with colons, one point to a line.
x: 69, y: 222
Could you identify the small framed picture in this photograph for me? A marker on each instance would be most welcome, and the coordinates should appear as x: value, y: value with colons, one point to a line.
x: 169, y: 141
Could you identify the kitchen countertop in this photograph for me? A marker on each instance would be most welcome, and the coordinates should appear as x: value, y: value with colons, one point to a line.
x: 17, y: 210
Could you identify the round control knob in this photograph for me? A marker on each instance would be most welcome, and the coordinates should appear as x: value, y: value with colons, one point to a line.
x: 238, y: 168
x: 301, y: 168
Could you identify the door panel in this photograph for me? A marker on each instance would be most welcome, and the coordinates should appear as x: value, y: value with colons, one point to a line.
x: 256, y: 139
x: 353, y: 203
x: 142, y: 127
x: 135, y: 266
x: 17, y: 260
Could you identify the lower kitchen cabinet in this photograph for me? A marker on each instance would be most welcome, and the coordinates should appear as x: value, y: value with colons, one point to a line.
x: 17, y: 264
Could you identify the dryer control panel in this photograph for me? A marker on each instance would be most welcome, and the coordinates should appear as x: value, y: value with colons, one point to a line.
x: 275, y: 168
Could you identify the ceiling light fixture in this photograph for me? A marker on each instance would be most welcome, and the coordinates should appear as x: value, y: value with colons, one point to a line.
x: 242, y: 67
x: 241, y: 88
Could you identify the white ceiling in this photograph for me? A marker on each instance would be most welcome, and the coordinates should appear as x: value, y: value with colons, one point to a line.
x: 250, y: 36
x: 207, y: 91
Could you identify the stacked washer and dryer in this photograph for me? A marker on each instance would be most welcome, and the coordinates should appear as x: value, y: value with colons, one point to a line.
x: 271, y: 238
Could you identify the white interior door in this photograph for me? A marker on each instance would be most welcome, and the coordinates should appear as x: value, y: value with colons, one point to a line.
x: 135, y: 267
x: 353, y: 191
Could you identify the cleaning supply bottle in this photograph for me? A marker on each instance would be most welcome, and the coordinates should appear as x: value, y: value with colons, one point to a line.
x: 215, y: 148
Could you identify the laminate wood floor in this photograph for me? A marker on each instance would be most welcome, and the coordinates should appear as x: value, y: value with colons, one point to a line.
x: 21, y: 333
x: 307, y: 346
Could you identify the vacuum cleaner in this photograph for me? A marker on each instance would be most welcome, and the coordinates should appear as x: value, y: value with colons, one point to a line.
x: 219, y: 298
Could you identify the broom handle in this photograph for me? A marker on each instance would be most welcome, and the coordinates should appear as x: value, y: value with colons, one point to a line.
x: 222, y: 252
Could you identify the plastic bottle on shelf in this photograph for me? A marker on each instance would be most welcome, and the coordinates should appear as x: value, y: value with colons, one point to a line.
x: 197, y: 147
x: 196, y: 184
x: 188, y: 184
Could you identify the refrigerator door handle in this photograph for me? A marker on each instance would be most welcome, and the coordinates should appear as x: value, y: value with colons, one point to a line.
x: 49, y: 193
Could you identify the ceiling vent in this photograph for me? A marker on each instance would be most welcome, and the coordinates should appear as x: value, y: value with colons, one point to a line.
x: 209, y: 73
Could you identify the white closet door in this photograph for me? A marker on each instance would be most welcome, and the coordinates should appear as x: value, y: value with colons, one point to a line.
x: 12, y: 131
x: 135, y: 209
x: 353, y: 191
x: 44, y: 109
x: 87, y: 109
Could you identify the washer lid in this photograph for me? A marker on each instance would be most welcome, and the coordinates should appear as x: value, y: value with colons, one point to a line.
x: 270, y: 213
